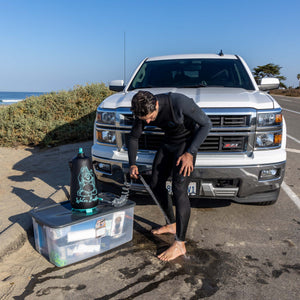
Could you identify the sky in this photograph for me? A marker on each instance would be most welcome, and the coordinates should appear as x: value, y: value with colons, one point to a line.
x: 54, y: 45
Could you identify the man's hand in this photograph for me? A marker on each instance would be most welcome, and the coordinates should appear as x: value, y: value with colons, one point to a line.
x: 186, y: 161
x: 134, y: 171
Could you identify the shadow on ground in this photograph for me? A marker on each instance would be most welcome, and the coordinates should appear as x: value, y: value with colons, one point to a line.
x: 44, y: 178
x: 47, y: 171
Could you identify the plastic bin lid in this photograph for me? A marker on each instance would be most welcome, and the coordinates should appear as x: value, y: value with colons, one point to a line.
x: 61, y: 214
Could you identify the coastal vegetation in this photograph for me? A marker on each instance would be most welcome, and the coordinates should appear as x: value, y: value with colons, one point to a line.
x: 52, y: 119
x: 291, y: 92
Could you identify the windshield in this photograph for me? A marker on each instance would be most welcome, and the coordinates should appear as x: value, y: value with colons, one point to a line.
x: 185, y: 73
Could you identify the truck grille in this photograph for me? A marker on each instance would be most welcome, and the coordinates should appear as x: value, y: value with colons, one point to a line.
x: 217, y: 121
x: 228, y: 121
x: 211, y: 144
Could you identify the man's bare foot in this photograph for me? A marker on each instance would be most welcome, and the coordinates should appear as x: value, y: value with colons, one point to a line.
x: 177, y: 249
x: 169, y: 228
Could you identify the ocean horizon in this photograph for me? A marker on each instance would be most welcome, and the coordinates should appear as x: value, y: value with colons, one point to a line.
x: 7, y: 98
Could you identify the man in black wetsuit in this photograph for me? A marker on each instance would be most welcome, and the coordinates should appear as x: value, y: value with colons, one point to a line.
x: 186, y: 126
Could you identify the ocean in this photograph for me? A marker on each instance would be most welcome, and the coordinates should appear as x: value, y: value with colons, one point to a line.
x: 7, y: 98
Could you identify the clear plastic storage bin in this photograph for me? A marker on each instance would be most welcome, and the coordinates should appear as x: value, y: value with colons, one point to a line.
x: 64, y: 236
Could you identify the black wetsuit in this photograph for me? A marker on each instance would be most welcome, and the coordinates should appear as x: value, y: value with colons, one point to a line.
x: 186, y: 126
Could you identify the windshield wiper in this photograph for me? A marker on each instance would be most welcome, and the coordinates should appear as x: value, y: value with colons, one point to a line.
x: 170, y: 86
x: 140, y: 87
x: 193, y: 86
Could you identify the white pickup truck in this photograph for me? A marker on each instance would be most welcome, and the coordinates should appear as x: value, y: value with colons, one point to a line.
x: 242, y: 159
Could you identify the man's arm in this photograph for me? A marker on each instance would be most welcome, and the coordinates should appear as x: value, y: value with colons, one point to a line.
x: 136, y: 131
x: 187, y: 107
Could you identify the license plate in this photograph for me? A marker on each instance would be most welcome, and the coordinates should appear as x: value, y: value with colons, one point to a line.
x: 191, y: 188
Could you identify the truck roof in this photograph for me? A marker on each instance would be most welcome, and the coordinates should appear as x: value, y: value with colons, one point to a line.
x: 191, y: 56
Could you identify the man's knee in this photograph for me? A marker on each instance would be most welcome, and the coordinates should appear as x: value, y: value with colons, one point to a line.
x: 179, y: 185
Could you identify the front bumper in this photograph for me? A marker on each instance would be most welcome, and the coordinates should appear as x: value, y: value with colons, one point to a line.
x: 232, y: 182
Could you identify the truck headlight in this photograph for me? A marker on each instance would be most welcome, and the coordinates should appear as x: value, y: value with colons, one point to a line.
x: 106, y: 136
x: 266, y: 174
x: 269, y: 139
x: 106, y: 117
x: 269, y: 119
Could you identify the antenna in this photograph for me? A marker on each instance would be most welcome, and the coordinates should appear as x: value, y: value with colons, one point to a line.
x: 124, y: 57
x: 221, y: 53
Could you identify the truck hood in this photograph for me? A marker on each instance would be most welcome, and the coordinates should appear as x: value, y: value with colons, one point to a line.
x: 205, y: 97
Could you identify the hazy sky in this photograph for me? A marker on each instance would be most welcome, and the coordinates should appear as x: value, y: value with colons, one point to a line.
x: 52, y: 45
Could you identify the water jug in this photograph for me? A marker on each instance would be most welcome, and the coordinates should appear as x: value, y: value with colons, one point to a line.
x: 83, y: 192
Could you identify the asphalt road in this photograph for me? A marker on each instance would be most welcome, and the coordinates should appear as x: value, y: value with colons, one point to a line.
x: 291, y: 112
x: 234, y: 251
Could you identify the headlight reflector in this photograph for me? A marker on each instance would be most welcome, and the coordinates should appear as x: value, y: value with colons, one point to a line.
x: 269, y: 174
x: 269, y: 119
x: 270, y: 139
x: 106, y: 136
x: 106, y: 117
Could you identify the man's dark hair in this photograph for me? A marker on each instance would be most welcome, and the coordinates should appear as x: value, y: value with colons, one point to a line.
x: 143, y: 103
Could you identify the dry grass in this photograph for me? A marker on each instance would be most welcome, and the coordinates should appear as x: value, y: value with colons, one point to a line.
x: 287, y: 92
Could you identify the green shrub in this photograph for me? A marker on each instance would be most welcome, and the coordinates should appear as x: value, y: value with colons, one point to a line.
x: 52, y: 119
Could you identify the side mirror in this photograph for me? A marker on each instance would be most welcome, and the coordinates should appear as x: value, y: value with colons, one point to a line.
x: 268, y: 84
x: 117, y: 85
